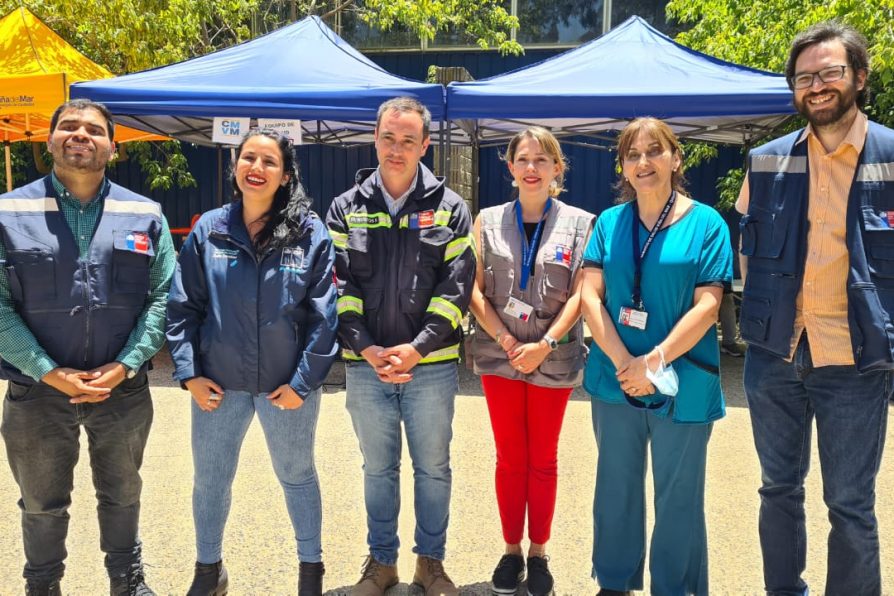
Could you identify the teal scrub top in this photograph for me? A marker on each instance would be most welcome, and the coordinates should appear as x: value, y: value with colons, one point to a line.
x: 692, y: 252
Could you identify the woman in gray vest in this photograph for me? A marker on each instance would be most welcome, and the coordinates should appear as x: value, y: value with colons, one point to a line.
x: 528, y: 346
x: 654, y: 272
x: 252, y: 330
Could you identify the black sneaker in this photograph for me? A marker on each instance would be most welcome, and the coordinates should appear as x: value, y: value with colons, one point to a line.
x: 35, y: 587
x: 510, y: 572
x: 131, y: 583
x: 209, y: 579
x: 310, y: 579
x: 540, y: 580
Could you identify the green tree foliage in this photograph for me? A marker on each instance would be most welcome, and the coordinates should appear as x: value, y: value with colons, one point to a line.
x: 758, y: 34
x: 127, y: 36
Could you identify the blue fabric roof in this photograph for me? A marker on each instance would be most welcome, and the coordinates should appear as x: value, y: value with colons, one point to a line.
x: 302, y: 71
x: 631, y: 71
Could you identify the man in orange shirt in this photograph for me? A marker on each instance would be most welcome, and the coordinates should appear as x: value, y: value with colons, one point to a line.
x: 818, y: 234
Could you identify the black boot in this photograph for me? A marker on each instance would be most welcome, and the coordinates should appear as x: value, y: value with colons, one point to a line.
x: 35, y: 587
x: 310, y: 579
x: 210, y: 579
x: 131, y: 583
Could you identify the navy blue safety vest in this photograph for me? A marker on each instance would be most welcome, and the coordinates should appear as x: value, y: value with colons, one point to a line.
x: 774, y: 238
x: 81, y: 310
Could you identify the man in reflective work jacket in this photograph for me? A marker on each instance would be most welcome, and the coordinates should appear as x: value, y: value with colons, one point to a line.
x: 405, y: 268
x: 83, y: 286
x: 818, y: 234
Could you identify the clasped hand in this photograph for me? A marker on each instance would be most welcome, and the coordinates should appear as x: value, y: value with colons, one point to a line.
x: 86, y: 386
x: 393, y: 365
x: 631, y: 376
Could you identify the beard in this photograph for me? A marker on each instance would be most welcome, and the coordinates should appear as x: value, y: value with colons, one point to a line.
x: 832, y: 111
x: 90, y: 162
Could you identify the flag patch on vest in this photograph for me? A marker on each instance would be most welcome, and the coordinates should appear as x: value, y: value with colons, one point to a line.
x: 563, y: 254
x: 422, y: 219
x: 137, y: 242
x: 889, y: 217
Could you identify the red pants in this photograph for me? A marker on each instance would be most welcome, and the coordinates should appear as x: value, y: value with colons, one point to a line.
x: 526, y: 420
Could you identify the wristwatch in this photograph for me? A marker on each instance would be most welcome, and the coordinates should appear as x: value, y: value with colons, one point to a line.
x: 129, y: 373
x: 553, y: 344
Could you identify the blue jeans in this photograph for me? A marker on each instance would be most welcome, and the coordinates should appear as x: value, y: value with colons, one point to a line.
x: 678, y: 555
x: 425, y: 405
x: 42, y: 433
x: 216, y: 440
x: 851, y: 412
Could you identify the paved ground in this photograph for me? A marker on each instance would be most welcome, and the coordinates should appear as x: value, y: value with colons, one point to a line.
x: 259, y: 549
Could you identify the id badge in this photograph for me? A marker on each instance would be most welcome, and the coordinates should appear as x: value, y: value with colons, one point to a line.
x: 292, y: 260
x: 517, y: 309
x: 630, y: 317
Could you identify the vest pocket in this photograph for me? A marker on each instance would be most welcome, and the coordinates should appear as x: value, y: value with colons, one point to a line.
x: 555, y: 288
x: 871, y: 336
x: 762, y: 234
x: 755, y: 317
x: 32, y: 276
x: 498, y: 284
x: 879, y: 239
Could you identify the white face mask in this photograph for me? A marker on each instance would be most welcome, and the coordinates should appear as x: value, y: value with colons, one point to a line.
x: 664, y: 378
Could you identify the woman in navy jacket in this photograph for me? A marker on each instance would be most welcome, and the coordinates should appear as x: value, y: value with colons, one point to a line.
x: 252, y: 329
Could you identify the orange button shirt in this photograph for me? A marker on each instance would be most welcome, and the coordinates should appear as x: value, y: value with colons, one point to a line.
x: 821, y: 305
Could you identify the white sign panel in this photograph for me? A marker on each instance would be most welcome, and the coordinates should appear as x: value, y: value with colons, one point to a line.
x: 291, y: 129
x: 229, y: 131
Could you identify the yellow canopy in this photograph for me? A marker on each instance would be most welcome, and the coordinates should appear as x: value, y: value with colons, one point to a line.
x: 36, y: 68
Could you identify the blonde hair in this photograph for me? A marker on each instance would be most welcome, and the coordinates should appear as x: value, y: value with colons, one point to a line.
x: 550, y: 145
x: 662, y: 133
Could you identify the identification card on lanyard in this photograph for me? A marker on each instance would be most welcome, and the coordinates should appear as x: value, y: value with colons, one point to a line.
x: 636, y: 316
x: 516, y: 308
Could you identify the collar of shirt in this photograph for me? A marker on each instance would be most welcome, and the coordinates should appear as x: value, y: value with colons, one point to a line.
x: 856, y: 135
x: 395, y: 204
x: 66, y: 196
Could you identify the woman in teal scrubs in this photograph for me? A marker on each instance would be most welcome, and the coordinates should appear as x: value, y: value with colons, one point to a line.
x: 655, y: 270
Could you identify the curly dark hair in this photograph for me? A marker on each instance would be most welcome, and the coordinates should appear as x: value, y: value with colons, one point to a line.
x: 287, y: 218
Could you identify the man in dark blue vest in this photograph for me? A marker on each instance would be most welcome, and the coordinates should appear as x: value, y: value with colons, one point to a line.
x: 818, y: 235
x: 85, y: 272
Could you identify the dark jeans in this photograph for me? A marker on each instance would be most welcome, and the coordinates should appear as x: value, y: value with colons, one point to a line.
x: 851, y: 412
x: 41, y: 430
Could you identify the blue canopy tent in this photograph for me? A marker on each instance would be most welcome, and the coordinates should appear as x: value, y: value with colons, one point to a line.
x: 302, y: 71
x: 633, y: 70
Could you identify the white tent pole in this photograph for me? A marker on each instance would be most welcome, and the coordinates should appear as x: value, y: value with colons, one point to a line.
x: 8, y: 166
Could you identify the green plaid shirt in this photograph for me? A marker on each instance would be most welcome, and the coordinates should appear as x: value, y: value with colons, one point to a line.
x: 18, y: 345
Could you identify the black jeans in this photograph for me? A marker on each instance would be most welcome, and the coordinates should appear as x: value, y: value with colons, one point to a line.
x: 41, y: 430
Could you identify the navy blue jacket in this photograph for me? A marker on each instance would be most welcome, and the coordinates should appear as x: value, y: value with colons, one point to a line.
x: 253, y: 322
x: 402, y: 279
x: 80, y: 310
x: 774, y: 238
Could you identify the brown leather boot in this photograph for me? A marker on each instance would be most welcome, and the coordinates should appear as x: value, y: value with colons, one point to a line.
x: 431, y: 577
x: 375, y: 578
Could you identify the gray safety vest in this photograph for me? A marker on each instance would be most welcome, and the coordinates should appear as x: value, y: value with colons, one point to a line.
x: 559, y: 257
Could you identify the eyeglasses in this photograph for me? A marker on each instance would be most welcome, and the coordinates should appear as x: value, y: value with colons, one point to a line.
x: 830, y: 74
x: 652, y: 153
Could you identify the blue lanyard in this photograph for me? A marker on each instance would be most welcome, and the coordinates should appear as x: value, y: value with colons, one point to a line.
x: 639, y: 255
x: 529, y: 249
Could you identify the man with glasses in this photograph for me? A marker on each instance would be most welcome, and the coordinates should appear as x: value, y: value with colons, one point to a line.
x: 818, y: 234
x: 405, y: 268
